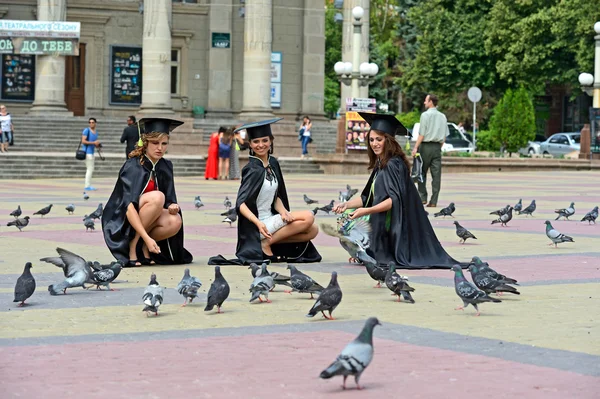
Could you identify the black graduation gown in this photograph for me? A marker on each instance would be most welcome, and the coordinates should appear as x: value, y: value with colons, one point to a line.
x: 248, y: 248
x: 130, y: 185
x: 408, y: 239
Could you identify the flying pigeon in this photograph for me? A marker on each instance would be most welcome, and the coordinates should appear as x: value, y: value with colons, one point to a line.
x: 309, y: 201
x: 463, y: 233
x: 327, y: 208
x: 353, y: 236
x: 17, y: 212
x: 218, y: 292
x: 278, y: 279
x: 529, y: 210
x: 198, y: 202
x: 19, y: 223
x: 349, y: 193
x: 355, y: 357
x: 565, y: 212
x: 188, y: 287
x: 230, y: 219
x: 485, y: 268
x: 501, y: 211
x: 556, y: 236
x: 518, y: 206
x: 25, y: 286
x: 103, y: 275
x: 504, y: 219
x: 447, y: 211
x: 261, y: 285
x: 89, y: 224
x: 97, y: 214
x: 227, y: 203
x: 488, y: 284
x: 468, y: 292
x: 70, y: 208
x: 303, y: 283
x: 153, y: 296
x: 329, y: 299
x: 398, y: 284
x: 85, y: 196
x: 77, y: 272
x: 44, y: 211
x: 591, y: 216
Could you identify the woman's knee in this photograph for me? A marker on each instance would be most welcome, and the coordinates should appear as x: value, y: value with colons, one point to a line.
x: 155, y: 197
x: 174, y: 222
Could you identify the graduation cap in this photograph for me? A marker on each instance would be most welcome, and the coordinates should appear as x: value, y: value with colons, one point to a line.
x: 384, y: 123
x: 259, y: 129
x: 161, y: 125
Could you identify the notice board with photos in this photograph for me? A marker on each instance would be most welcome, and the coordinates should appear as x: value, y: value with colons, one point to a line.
x: 125, y: 75
x: 18, y: 77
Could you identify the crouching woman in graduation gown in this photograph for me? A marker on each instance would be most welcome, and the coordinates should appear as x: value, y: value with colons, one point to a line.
x: 401, y: 232
x: 267, y: 230
x: 142, y: 222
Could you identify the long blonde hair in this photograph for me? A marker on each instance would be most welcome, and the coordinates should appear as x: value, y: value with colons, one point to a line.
x: 140, y: 151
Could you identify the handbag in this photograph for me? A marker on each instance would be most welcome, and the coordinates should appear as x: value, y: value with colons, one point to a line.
x: 417, y: 169
x: 11, y: 140
x: 80, y: 154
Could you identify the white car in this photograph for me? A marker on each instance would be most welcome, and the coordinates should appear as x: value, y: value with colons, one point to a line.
x: 533, y: 147
x: 455, y: 140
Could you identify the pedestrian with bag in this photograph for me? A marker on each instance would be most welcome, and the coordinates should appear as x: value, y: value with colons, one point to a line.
x: 304, y: 135
x: 89, y: 139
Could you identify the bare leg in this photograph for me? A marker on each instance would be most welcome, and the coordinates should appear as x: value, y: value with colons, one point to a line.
x: 303, y: 223
x: 226, y: 168
x: 166, y: 226
x: 151, y: 205
x: 304, y: 236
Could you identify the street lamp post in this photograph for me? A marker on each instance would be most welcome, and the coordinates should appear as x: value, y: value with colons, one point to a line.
x: 354, y: 73
x: 591, y: 83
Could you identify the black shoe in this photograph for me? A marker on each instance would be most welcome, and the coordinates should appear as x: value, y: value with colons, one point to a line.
x: 132, y: 263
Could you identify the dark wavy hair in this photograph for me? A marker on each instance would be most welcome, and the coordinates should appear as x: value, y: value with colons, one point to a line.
x: 391, y: 148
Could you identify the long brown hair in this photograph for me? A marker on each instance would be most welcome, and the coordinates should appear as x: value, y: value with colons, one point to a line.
x: 139, y: 152
x: 391, y: 148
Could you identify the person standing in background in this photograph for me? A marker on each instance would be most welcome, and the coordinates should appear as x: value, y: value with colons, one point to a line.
x: 306, y: 135
x: 6, y: 129
x: 90, y: 141
x: 131, y: 135
x: 224, y: 153
x: 234, y: 159
x: 212, y: 160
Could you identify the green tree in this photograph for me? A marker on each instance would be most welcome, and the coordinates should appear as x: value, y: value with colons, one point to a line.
x: 513, y: 121
x: 333, y: 54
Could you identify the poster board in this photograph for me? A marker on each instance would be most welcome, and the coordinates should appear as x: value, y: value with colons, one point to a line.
x: 125, y: 75
x: 356, y: 131
x: 18, y: 77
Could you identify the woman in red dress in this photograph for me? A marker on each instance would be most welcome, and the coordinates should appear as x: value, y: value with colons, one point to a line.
x: 212, y: 161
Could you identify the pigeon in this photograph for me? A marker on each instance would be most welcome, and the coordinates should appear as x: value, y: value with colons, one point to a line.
x: 303, y: 283
x: 484, y: 267
x: 89, y: 224
x: 468, y: 292
x: 565, y: 212
x: 314, y: 211
x: 504, y: 219
x: 229, y: 212
x: 103, y: 275
x: 354, y: 236
x: 501, y: 211
x: 188, y: 287
x: 309, y: 201
x: 230, y: 219
x: 198, y: 202
x: 85, y: 196
x: 227, y: 203
x: 70, y: 208
x: 591, y: 216
x: 529, y: 210
x: 218, y: 292
x: 398, y: 284
x: 19, y: 223
x: 463, y: 233
x: 556, y: 236
x: 376, y: 272
x: 329, y: 299
x: 17, y: 212
x: 97, y: 214
x: 278, y: 279
x: 261, y: 285
x: 355, y: 357
x: 343, y: 197
x: 518, y: 206
x: 349, y: 193
x: 44, y: 211
x: 25, y: 286
x: 77, y: 272
x: 447, y: 211
x: 327, y: 208
x: 488, y: 284
x: 153, y: 296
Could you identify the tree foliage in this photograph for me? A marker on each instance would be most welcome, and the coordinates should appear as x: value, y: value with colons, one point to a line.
x: 333, y: 54
x: 513, y: 121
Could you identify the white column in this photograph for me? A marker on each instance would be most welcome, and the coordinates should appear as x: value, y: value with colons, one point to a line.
x: 348, y: 44
x: 258, y: 37
x: 313, y: 65
x: 50, y: 69
x: 596, y: 98
x: 156, y: 58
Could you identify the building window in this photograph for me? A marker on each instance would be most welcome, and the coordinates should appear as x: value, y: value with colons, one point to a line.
x: 175, y: 71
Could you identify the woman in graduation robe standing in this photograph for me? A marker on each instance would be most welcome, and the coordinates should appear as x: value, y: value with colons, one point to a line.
x: 401, y: 232
x: 142, y: 222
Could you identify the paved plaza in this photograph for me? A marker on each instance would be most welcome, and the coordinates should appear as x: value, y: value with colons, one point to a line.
x: 544, y: 343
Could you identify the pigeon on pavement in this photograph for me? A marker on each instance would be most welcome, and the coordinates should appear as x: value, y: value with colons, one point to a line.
x: 565, y: 212
x: 329, y: 299
x: 518, y: 206
x: 327, y: 208
x: 488, y: 284
x: 227, y: 203
x: 230, y: 219
x: 17, y: 212
x: 315, y: 210
x: 447, y: 211
x: 469, y: 294
x: 376, y: 272
x: 20, y: 223
x: 501, y: 211
x: 591, y: 216
x: 44, y: 210
x: 25, y: 286
x: 188, y: 287
x: 556, y: 236
x: 355, y: 357
x: 303, y: 283
x: 261, y: 285
x: 70, y: 208
x: 485, y: 268
x: 89, y: 224
x: 504, y: 219
x: 198, y: 202
x: 97, y: 214
x: 463, y: 233
x: 278, y: 279
x: 85, y: 196
x: 218, y: 292
x: 77, y: 272
x: 529, y: 210
x: 398, y: 284
x: 105, y: 274
x: 153, y: 296
x: 309, y: 201
x: 354, y: 236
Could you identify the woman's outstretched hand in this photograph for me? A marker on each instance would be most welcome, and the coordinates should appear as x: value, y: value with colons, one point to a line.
x: 340, y: 208
x: 173, y: 209
x: 358, y: 213
x: 262, y: 229
x: 152, y: 245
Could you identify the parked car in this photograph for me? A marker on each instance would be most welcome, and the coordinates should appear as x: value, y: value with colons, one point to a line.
x: 533, y: 147
x: 561, y: 144
x: 455, y: 140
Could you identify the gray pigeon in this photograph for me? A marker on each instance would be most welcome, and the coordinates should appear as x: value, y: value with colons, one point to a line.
x: 469, y: 294
x: 89, y: 224
x: 556, y: 236
x: 153, y: 296
x: 85, y: 196
x: 518, y: 206
x: 188, y: 287
x: 17, y: 212
x: 504, y: 219
x: 354, y: 236
x: 230, y: 219
x: 103, y: 275
x: 485, y: 268
x: 315, y: 210
x: 44, y: 211
x: 591, y: 216
x: 398, y: 284
x: 218, y: 292
x: 278, y: 279
x: 565, y: 212
x: 303, y: 283
x: 501, y: 211
x: 262, y: 284
x: 25, y: 286
x: 70, y: 208
x: 97, y: 214
x: 463, y: 233
x: 309, y: 201
x: 20, y: 223
x: 529, y: 210
x: 77, y: 272
x: 376, y: 272
x: 349, y: 193
x: 355, y: 357
x: 327, y: 208
x: 227, y: 203
x: 329, y: 299
x: 198, y: 202
x: 488, y: 284
x: 447, y: 211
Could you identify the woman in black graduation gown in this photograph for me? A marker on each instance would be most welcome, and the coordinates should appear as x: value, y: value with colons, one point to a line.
x: 267, y: 230
x: 401, y: 232
x: 142, y: 221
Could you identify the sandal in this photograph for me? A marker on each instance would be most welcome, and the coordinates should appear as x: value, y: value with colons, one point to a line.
x: 132, y: 263
x: 147, y: 262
